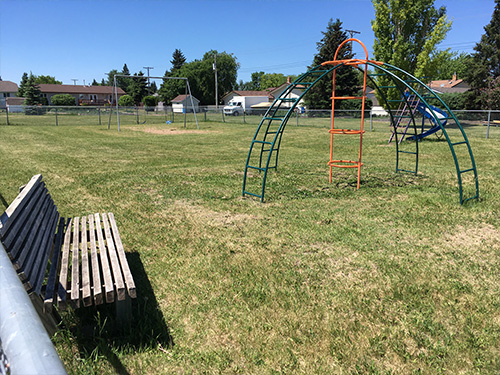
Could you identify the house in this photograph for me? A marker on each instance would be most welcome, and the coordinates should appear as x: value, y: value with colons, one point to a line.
x: 84, y: 95
x: 15, y: 104
x: 182, y: 102
x: 8, y: 89
x: 294, y: 94
x: 449, y: 86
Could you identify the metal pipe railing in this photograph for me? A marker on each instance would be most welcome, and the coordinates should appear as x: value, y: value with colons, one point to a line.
x: 24, y: 340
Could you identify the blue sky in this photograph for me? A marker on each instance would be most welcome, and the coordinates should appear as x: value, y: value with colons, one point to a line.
x: 83, y: 40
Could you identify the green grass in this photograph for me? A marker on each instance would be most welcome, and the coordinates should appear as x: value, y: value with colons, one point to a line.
x: 394, y: 278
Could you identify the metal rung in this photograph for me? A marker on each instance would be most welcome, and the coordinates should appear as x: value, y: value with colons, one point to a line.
x: 274, y: 118
x: 258, y: 168
x: 466, y: 170
x: 459, y: 143
x: 287, y: 99
x: 407, y: 152
x: 377, y: 75
x: 347, y: 97
x: 263, y: 142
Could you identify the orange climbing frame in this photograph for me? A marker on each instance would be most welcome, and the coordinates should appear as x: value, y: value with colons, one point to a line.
x: 339, y: 163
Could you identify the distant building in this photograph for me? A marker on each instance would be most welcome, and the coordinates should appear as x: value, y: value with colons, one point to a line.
x: 449, y: 86
x: 183, y: 102
x: 84, y: 95
x: 8, y: 89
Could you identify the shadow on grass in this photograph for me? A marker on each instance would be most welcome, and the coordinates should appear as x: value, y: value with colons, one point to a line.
x: 98, y: 334
x: 4, y: 202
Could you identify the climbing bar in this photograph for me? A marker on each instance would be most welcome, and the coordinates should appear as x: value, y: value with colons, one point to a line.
x: 345, y: 131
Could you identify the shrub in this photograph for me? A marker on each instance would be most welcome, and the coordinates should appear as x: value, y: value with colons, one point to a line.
x: 126, y: 101
x: 150, y: 102
x: 63, y: 99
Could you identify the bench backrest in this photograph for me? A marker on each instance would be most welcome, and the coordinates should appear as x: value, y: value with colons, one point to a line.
x: 27, y: 229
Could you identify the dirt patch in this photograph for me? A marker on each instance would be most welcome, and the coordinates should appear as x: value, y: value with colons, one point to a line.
x: 486, y: 236
x: 168, y: 131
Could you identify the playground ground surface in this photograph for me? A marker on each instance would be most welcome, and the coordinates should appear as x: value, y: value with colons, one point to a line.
x: 394, y: 278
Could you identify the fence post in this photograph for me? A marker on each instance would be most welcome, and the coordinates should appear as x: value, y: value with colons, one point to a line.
x: 137, y: 114
x: 371, y: 120
x: 99, y: 110
x: 298, y: 118
x: 57, y: 123
x: 244, y: 117
x: 223, y: 117
x: 488, y: 128
x: 7, y: 112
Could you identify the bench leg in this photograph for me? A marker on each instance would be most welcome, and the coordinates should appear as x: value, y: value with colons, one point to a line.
x: 124, y: 312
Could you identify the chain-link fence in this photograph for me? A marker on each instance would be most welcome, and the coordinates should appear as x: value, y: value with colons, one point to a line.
x: 477, y: 123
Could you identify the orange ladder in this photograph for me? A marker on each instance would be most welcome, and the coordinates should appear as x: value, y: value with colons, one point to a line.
x: 339, y: 163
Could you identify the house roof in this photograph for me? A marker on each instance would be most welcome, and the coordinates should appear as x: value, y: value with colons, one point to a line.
x: 78, y: 89
x: 8, y: 86
x: 250, y: 93
x: 446, y: 83
x: 181, y: 98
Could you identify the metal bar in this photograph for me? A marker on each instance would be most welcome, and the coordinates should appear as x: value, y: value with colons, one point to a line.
x: 488, y: 128
x: 25, y: 342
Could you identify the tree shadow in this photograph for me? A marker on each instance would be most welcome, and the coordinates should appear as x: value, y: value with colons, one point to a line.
x: 96, y: 329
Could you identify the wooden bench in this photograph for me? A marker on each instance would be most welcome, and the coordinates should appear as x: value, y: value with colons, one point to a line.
x: 77, y: 262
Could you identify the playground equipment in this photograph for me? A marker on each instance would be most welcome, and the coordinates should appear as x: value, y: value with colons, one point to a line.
x: 265, y: 146
x: 430, y: 113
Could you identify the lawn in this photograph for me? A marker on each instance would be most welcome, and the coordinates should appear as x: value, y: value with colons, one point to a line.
x: 394, y: 278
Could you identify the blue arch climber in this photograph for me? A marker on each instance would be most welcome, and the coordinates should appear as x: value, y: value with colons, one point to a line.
x: 263, y: 154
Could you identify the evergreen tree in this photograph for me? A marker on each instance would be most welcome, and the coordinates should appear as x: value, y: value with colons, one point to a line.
x: 95, y: 83
x: 178, y: 60
x: 138, y: 88
x: 483, y: 73
x: 346, y: 78
x: 103, y: 82
x: 124, y: 82
x: 32, y: 92
x: 22, y: 87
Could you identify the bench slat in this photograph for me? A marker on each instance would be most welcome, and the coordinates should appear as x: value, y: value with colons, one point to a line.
x: 96, y: 274
x: 31, y: 246
x: 20, y: 224
x: 129, y: 280
x: 115, y: 264
x: 63, y: 275
x: 49, y: 297
x: 106, y: 271
x: 86, y: 293
x: 19, y: 240
x: 16, y: 206
x: 41, y: 263
x: 75, y: 264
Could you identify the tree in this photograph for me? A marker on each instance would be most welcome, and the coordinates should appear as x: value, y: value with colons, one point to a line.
x: 33, y: 96
x: 457, y: 64
x: 22, y: 87
x: 95, y: 83
x: 47, y: 80
x: 201, y: 78
x: 138, y: 87
x: 407, y: 34
x: 178, y: 60
x: 63, y: 100
x: 150, y: 102
x: 484, y: 71
x: 124, y: 82
x: 346, y: 78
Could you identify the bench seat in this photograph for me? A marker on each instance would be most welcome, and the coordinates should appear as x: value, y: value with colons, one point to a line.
x: 66, y: 262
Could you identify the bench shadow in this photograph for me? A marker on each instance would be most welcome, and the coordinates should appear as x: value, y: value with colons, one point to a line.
x: 4, y: 202
x: 98, y: 328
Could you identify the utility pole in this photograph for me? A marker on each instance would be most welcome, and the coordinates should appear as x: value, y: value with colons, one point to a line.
x: 216, y: 88
x: 147, y: 68
x: 352, y: 32
x: 74, y: 81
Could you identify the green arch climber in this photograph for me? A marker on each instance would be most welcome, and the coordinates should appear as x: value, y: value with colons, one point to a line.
x: 265, y: 146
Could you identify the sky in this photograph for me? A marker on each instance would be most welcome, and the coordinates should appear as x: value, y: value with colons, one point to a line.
x: 77, y: 41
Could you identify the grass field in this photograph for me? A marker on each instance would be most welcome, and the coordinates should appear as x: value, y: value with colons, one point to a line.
x: 394, y: 278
